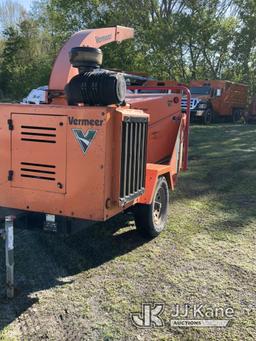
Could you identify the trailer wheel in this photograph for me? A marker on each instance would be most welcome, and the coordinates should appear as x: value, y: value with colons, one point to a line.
x: 236, y: 115
x: 208, y: 116
x: 151, y: 219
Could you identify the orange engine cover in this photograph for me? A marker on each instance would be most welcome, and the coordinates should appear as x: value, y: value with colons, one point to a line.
x: 62, y: 160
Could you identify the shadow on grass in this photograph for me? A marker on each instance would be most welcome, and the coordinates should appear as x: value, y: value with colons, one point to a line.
x: 41, y: 259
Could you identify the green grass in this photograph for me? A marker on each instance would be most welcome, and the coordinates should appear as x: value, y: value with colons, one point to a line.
x: 86, y: 286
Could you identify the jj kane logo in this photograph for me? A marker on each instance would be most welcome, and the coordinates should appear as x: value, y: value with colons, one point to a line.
x: 149, y: 317
x: 84, y: 138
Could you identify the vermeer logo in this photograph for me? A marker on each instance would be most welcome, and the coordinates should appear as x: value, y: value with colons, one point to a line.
x: 84, y: 122
x: 103, y: 38
x: 84, y: 139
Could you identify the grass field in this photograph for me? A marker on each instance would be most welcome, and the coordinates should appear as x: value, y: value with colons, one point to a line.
x: 85, y: 287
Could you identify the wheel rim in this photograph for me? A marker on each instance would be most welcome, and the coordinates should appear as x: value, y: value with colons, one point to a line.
x: 236, y: 116
x: 160, y: 206
x: 208, y: 117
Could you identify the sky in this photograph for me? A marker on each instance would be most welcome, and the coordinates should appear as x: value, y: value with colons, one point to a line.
x: 25, y: 3
x: 9, y: 16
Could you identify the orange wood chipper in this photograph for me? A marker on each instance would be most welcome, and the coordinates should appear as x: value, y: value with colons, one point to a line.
x: 213, y: 99
x: 95, y: 149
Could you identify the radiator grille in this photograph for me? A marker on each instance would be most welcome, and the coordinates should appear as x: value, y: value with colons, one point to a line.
x: 133, y: 158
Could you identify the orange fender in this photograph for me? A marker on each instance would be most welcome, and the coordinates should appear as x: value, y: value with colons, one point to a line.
x: 153, y: 171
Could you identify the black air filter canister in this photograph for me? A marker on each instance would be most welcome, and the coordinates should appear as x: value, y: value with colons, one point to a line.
x: 85, y: 58
x: 96, y: 88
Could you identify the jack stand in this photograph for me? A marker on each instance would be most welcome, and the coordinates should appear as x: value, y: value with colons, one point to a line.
x: 8, y: 235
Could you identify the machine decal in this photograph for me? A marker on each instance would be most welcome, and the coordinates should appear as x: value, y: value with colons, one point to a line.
x: 84, y: 139
x: 84, y: 122
x: 103, y: 38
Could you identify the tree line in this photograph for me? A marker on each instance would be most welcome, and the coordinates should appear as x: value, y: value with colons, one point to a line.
x: 174, y: 39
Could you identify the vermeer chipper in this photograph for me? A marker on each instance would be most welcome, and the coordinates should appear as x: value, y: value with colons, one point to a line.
x: 95, y: 149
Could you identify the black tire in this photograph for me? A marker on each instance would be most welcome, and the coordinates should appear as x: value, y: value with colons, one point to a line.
x: 207, y: 116
x: 151, y: 219
x: 236, y: 115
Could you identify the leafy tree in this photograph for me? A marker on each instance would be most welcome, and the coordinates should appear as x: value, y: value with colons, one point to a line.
x: 24, y: 62
x: 174, y: 39
x: 244, y: 52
